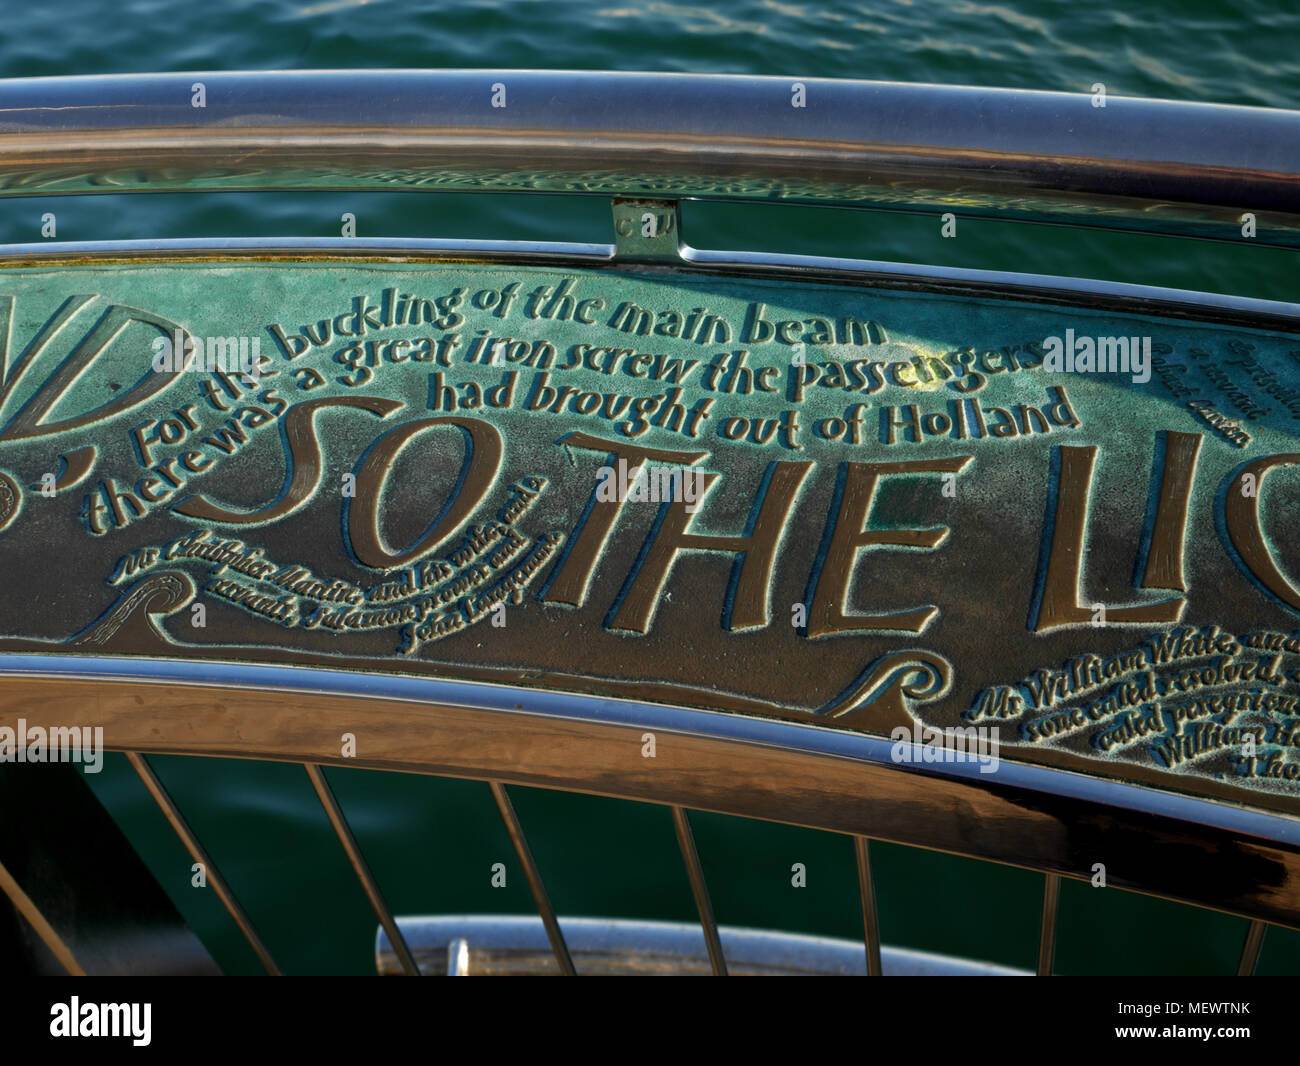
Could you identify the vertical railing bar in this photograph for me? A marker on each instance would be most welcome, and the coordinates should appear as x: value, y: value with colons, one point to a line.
x: 1250, y: 950
x: 1047, y: 933
x: 344, y: 832
x: 535, y: 884
x: 173, y: 815
x: 23, y: 902
x: 701, y: 891
x: 870, y: 926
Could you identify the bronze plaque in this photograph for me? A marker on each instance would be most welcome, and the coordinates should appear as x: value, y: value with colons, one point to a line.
x: 863, y: 508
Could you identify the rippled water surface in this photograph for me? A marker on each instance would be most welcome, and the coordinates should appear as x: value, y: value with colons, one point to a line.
x: 431, y: 842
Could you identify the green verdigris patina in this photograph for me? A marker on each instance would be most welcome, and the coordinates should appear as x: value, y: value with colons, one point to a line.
x: 855, y: 506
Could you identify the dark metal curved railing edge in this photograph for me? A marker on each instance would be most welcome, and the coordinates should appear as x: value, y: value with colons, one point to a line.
x: 1156, y: 166
x: 1040, y: 818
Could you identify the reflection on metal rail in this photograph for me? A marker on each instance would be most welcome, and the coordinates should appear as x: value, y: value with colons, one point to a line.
x: 1030, y: 815
x: 472, y: 945
x: 1156, y: 166
x: 651, y: 141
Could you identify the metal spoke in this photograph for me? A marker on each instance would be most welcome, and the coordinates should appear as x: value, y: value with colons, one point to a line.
x: 344, y: 832
x: 1047, y: 934
x: 24, y: 905
x: 534, y: 876
x: 696, y: 872
x: 192, y: 845
x: 870, y: 927
x: 1250, y: 950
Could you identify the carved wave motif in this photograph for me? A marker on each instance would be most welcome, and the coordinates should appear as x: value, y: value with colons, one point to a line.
x: 129, y: 618
x: 879, y: 700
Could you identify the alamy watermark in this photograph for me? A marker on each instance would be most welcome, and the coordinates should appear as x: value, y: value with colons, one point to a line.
x: 1098, y: 355
x: 229, y: 355
x: 648, y: 483
x: 37, y: 744
x: 925, y: 744
x: 75, y: 1018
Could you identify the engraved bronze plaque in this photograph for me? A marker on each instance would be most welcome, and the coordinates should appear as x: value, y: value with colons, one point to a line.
x: 859, y: 507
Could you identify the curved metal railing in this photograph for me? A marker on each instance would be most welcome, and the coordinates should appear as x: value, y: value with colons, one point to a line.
x: 650, y: 141
x: 1149, y: 165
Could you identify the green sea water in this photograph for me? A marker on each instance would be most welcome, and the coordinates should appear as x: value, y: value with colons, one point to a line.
x: 432, y: 843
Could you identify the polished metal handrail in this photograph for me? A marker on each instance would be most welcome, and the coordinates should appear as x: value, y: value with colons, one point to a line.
x: 468, y: 945
x: 1162, y: 167
x: 1035, y: 817
x: 1156, y: 166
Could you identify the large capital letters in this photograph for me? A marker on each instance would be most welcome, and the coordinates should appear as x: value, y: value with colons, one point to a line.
x: 304, y: 459
x: 572, y: 578
x: 1241, y: 516
x: 826, y: 611
x: 749, y: 606
x: 482, y: 460
x: 30, y: 420
x: 1059, y: 605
